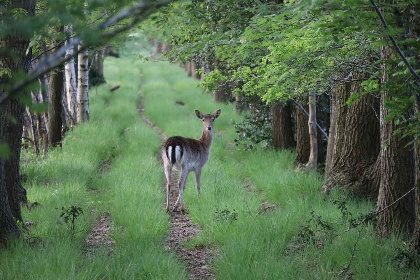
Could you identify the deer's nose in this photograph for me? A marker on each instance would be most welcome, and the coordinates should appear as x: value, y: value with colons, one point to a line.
x: 209, y: 128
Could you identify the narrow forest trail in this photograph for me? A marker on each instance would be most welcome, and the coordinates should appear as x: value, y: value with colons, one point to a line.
x: 181, y: 229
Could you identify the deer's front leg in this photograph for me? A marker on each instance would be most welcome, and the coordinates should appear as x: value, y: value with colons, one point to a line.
x: 198, y: 181
x: 182, y: 182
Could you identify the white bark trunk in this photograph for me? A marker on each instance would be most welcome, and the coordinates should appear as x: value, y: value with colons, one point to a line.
x: 70, y: 75
x: 313, y: 137
x: 83, y: 87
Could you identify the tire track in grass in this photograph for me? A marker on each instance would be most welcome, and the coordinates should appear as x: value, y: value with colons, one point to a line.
x: 99, y: 236
x: 199, y: 259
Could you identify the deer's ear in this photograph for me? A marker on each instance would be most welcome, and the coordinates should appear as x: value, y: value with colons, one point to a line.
x: 199, y: 114
x: 217, y: 113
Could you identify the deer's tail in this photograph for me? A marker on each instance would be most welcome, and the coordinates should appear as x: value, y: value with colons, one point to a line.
x: 174, y: 153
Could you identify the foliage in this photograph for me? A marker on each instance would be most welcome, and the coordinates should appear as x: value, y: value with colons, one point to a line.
x: 279, y: 51
x: 255, y: 127
x: 225, y: 215
x: 70, y: 214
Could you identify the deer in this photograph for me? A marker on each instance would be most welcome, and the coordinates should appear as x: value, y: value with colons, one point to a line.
x: 186, y: 155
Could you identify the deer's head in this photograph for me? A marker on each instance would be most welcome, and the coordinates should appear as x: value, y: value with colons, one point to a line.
x: 208, y: 119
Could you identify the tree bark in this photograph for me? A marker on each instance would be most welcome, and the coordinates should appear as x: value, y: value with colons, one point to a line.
x: 415, y: 240
x: 240, y: 105
x: 35, y: 135
x: 83, y: 87
x: 313, y: 134
x: 397, y: 171
x: 159, y: 48
x: 55, y: 89
x: 11, y: 126
x: 96, y: 72
x: 193, y: 70
x: 332, y: 130
x: 188, y: 68
x: 281, y: 126
x: 302, y: 136
x: 70, y: 74
x: 353, y: 145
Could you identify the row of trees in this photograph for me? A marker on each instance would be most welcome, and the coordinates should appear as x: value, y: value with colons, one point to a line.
x: 338, y: 78
x: 39, y: 43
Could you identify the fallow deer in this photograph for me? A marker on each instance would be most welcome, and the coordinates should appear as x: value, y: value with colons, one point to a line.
x: 188, y: 155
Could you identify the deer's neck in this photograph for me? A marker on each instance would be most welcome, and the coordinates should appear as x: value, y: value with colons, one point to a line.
x: 207, y: 139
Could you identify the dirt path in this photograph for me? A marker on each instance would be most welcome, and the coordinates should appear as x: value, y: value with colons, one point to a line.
x: 99, y: 236
x: 181, y: 229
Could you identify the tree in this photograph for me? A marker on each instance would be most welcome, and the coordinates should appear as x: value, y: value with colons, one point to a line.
x: 353, y: 145
x: 14, y: 59
x: 396, y: 170
x: 313, y: 134
x: 55, y: 89
x: 302, y: 136
x: 70, y: 77
x: 83, y: 86
x: 281, y: 126
x: 18, y: 25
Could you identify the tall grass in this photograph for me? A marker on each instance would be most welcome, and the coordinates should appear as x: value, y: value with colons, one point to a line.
x: 72, y: 175
x: 255, y: 245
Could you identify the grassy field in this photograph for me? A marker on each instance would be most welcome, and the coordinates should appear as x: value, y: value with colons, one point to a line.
x: 110, y: 164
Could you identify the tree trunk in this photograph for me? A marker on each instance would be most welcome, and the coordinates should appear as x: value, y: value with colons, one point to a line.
x: 159, y: 48
x: 55, y: 89
x: 166, y: 48
x: 11, y: 125
x: 313, y: 134
x: 353, y: 145
x: 302, y: 136
x: 70, y: 74
x: 188, y: 68
x: 281, y: 126
x: 35, y: 135
x: 193, y: 70
x: 332, y: 130
x: 83, y: 87
x: 240, y: 105
x: 415, y: 241
x: 96, y: 72
x: 397, y: 172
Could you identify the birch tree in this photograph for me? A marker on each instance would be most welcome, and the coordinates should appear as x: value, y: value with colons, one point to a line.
x: 70, y: 75
x: 83, y: 85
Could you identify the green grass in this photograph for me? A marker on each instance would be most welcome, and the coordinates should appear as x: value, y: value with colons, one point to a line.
x: 130, y: 191
x: 255, y: 245
x: 252, y: 245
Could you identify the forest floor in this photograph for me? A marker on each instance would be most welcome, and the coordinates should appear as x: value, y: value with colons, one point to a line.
x: 256, y: 218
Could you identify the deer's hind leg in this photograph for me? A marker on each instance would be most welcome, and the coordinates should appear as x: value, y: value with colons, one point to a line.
x: 168, y: 175
x: 182, y: 182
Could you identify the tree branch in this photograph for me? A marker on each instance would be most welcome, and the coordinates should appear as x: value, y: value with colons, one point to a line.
x: 58, y: 57
x: 397, y: 48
